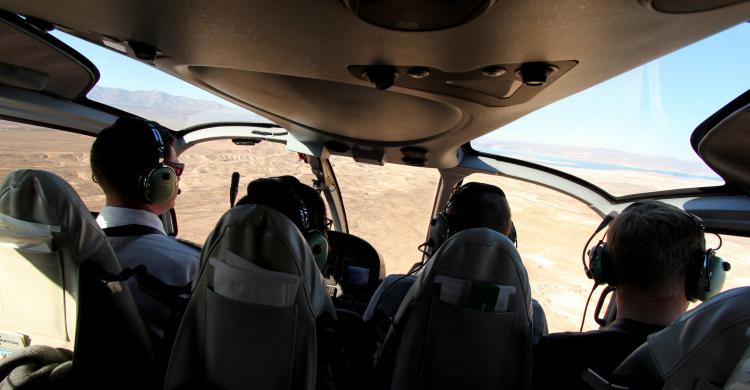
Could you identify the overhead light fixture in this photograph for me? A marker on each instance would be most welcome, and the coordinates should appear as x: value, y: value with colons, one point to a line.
x: 535, y: 74
x: 418, y: 15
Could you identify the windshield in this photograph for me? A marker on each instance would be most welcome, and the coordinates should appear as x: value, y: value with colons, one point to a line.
x: 139, y: 89
x: 631, y: 134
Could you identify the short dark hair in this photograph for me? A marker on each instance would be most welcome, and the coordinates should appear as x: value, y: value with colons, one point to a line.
x: 479, y: 205
x: 651, y: 244
x: 123, y: 153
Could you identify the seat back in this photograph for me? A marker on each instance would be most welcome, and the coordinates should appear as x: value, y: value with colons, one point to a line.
x: 466, y: 321
x: 251, y: 320
x: 52, y: 254
x: 701, y: 347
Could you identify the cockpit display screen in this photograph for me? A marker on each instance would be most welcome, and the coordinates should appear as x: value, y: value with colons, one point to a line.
x: 358, y: 276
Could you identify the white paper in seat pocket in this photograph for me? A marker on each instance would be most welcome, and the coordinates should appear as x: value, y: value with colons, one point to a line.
x: 238, y: 279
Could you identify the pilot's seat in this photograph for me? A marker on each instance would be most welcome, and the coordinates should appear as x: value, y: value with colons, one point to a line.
x: 251, y: 321
x: 465, y: 323
x: 700, y: 349
x: 56, y: 287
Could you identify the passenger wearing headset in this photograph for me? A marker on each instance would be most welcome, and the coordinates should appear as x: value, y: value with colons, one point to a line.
x: 135, y: 164
x: 655, y: 256
x: 471, y: 205
x: 304, y: 207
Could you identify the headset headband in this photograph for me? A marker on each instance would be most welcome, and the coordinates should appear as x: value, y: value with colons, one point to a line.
x: 304, y: 214
x: 159, y: 140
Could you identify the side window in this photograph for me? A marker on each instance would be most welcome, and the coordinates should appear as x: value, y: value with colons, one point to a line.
x: 61, y: 152
x: 388, y: 206
x: 208, y: 171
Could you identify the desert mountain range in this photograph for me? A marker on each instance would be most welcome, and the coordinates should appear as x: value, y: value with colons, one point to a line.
x: 175, y: 112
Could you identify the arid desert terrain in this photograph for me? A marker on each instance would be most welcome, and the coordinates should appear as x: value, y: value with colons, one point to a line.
x: 388, y: 206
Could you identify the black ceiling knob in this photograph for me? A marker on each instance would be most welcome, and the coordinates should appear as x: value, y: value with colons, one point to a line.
x: 381, y: 76
x: 535, y: 73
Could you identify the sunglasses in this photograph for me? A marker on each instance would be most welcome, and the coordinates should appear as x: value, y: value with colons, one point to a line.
x: 177, y: 167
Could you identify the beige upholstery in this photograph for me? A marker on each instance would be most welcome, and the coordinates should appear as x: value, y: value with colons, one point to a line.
x: 444, y: 342
x: 32, y: 280
x: 703, y: 346
x: 251, y: 321
x: 51, y: 257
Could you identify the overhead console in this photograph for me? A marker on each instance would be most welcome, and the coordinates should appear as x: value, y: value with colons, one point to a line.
x: 496, y: 85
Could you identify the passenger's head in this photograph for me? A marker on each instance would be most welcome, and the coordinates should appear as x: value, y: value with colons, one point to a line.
x: 122, y: 157
x: 316, y: 208
x: 285, y: 194
x: 298, y: 202
x: 476, y: 205
x: 651, y: 244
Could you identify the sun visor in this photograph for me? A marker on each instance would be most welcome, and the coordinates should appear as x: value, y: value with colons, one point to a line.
x: 723, y: 141
x: 32, y: 59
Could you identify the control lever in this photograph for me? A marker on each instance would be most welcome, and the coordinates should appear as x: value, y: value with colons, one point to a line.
x: 234, y: 188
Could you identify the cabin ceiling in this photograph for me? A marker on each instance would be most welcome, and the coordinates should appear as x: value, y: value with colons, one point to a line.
x: 301, y: 63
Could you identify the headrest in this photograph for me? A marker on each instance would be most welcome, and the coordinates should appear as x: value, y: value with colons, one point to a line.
x: 704, y: 343
x: 481, y: 255
x: 270, y: 240
x: 42, y: 197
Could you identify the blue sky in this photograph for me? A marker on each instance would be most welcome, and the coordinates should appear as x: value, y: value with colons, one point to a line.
x: 119, y: 71
x: 649, y: 110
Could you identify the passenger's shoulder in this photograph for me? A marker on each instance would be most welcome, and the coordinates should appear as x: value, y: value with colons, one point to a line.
x: 173, y: 245
x: 568, y: 341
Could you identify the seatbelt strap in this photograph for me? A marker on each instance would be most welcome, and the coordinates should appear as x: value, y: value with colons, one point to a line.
x: 150, y: 285
x: 130, y: 230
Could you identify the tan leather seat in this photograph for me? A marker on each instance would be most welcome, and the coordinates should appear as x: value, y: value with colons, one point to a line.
x: 52, y: 254
x: 700, y: 349
x: 251, y: 321
x: 466, y: 321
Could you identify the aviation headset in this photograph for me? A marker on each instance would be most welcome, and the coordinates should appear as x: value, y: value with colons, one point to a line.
x: 316, y: 239
x: 440, y: 226
x: 160, y: 183
x: 704, y: 277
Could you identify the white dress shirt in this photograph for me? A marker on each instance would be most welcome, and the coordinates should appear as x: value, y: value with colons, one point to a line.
x: 166, y: 258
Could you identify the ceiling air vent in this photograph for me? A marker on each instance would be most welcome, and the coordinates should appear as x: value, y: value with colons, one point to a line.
x: 418, y: 15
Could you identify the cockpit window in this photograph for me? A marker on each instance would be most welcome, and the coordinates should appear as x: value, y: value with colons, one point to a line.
x: 142, y: 90
x: 631, y: 134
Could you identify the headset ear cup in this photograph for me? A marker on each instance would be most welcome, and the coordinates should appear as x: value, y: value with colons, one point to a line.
x: 319, y: 246
x: 159, y: 185
x: 706, y: 279
x: 600, y: 265
x: 437, y: 234
x: 513, y: 234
